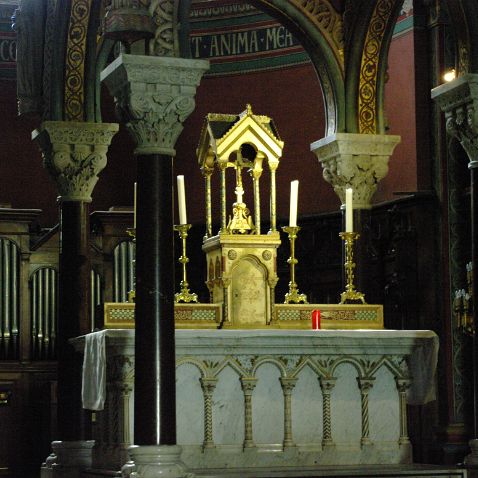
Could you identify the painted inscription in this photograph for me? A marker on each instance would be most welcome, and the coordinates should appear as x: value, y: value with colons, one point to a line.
x: 247, y: 42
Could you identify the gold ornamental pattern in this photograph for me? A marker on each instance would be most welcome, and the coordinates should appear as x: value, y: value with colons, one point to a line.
x: 369, y: 67
x: 329, y: 22
x: 75, y: 60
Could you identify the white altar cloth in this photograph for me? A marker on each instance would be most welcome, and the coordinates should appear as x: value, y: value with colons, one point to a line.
x: 278, y: 397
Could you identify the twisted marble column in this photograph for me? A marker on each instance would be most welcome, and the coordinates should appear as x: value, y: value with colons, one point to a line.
x: 327, y: 384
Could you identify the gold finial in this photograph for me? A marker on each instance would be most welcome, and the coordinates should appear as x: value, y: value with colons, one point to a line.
x: 249, y: 109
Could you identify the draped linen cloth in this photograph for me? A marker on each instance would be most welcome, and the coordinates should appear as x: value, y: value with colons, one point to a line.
x: 93, y: 388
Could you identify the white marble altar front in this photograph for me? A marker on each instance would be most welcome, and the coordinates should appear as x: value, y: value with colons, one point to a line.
x: 248, y: 398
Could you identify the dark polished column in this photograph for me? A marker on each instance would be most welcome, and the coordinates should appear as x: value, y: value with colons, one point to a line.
x: 458, y: 99
x: 474, y: 258
x: 155, y: 366
x: 74, y: 300
x: 74, y: 153
x: 154, y: 94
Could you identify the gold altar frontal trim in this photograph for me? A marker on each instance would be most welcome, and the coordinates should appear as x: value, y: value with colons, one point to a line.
x: 285, y: 316
x: 120, y: 315
x: 332, y: 316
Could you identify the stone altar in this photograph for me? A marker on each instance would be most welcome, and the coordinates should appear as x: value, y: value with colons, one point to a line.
x: 248, y: 398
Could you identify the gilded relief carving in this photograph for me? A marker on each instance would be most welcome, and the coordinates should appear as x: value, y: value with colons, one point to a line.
x: 75, y: 60
x: 369, y: 67
x: 328, y: 21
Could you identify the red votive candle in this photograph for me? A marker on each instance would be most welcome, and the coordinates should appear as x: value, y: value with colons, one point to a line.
x: 316, y: 319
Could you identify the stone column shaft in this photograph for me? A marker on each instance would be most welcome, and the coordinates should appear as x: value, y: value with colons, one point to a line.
x: 365, y: 384
x: 402, y: 386
x: 155, y: 413
x: 208, y: 386
x: 327, y: 385
x: 288, y: 385
x: 248, y: 384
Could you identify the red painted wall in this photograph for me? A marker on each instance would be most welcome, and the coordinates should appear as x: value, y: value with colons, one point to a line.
x: 400, y: 113
x: 23, y: 181
x: 291, y: 96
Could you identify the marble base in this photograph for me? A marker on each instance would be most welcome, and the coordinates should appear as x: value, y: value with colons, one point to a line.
x: 68, y: 459
x: 472, y: 458
x: 162, y: 461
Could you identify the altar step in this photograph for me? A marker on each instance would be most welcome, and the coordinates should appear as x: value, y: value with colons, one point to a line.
x: 365, y: 471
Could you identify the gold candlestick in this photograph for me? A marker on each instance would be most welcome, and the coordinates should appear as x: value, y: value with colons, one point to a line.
x: 293, y: 294
x: 184, y: 295
x: 350, y: 295
x: 131, y: 231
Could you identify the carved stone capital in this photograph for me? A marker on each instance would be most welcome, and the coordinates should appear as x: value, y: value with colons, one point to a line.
x: 74, y: 153
x: 403, y: 384
x: 248, y: 384
x: 154, y: 96
x: 327, y: 384
x: 357, y: 161
x: 288, y: 384
x: 208, y: 384
x: 365, y: 384
x: 458, y: 99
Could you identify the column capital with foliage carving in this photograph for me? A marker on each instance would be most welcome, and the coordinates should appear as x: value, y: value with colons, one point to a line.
x: 154, y: 96
x: 74, y: 153
x: 357, y: 161
x: 458, y: 99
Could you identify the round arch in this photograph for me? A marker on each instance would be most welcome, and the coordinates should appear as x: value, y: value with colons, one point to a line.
x: 321, y: 37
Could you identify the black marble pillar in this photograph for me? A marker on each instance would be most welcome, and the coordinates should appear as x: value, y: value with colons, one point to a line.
x: 155, y: 368
x: 74, y: 320
x: 474, y: 258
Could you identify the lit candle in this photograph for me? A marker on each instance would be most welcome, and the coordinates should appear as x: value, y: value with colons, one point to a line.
x: 134, y: 204
x: 294, y: 197
x: 316, y: 319
x: 349, y: 210
x: 181, y: 200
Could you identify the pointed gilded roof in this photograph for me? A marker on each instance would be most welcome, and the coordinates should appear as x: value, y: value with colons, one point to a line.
x: 218, y: 127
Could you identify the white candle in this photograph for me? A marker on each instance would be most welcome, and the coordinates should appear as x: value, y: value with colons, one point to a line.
x: 349, y: 210
x: 134, y: 204
x: 181, y: 201
x: 294, y: 197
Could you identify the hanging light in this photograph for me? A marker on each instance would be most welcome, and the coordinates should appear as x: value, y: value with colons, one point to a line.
x: 449, y: 75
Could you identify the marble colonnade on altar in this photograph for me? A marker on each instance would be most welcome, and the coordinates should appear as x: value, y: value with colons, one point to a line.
x: 273, y: 398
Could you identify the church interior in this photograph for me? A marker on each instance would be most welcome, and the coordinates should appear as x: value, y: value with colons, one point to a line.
x: 238, y: 238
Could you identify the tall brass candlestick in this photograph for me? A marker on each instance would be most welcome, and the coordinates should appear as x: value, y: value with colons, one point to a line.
x: 350, y: 295
x: 131, y: 231
x: 184, y: 295
x: 293, y: 294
